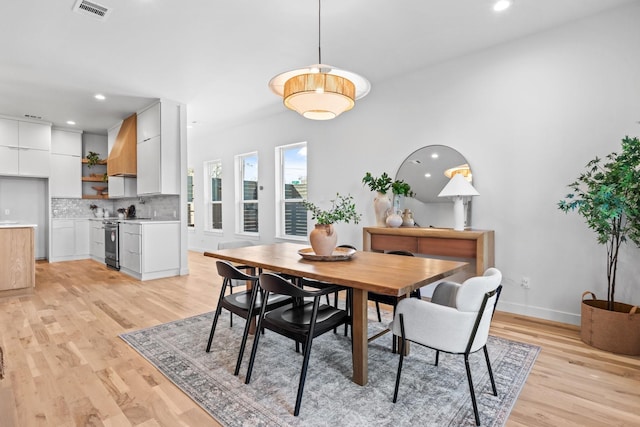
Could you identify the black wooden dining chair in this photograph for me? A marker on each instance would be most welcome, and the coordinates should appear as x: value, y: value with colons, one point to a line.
x: 389, y: 299
x: 245, y: 304
x: 303, y: 281
x: 301, y: 320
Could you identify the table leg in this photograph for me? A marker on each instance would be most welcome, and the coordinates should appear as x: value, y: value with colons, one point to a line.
x: 359, y: 331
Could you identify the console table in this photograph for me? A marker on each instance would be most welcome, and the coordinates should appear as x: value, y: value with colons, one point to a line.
x: 474, y: 245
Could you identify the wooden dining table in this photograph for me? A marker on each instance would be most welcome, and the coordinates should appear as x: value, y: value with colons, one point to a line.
x: 363, y: 272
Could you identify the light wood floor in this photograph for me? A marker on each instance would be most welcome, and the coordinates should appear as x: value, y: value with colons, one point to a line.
x: 66, y: 366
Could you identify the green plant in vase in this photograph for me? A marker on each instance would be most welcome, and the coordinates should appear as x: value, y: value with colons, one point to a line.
x: 323, y: 237
x: 93, y: 159
x: 607, y: 196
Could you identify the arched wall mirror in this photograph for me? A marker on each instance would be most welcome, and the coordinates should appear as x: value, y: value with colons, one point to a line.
x: 428, y: 170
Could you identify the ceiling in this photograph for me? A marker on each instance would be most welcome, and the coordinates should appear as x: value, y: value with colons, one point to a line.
x: 217, y: 56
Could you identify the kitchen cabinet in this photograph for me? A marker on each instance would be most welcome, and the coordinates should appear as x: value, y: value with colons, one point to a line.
x: 150, y: 249
x: 96, y: 244
x: 122, y: 186
x: 130, y: 235
x: 24, y: 148
x: 159, y: 139
x: 69, y: 239
x: 66, y: 164
x: 17, y: 258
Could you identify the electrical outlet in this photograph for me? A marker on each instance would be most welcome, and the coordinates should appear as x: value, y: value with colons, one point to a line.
x: 525, y: 282
x: 7, y: 211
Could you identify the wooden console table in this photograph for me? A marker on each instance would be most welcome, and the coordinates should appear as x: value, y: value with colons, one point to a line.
x: 476, y: 245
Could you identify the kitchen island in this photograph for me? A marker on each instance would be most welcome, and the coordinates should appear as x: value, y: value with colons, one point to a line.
x: 17, y: 257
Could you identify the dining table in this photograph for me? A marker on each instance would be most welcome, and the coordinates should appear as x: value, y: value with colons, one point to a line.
x: 363, y: 272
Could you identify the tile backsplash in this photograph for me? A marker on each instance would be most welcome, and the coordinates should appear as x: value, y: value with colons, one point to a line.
x: 160, y: 207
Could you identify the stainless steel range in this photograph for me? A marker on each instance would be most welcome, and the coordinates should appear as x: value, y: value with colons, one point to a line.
x: 111, y: 244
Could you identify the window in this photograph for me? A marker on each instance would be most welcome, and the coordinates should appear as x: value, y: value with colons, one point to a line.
x: 247, y: 192
x: 291, y: 185
x: 213, y: 184
x: 190, y: 205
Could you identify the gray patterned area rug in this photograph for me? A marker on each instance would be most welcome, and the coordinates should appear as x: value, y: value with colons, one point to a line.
x: 429, y: 395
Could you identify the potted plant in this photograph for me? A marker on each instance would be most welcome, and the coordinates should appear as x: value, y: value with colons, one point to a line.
x: 93, y: 158
x: 381, y: 202
x: 323, y: 237
x: 97, y: 212
x: 607, y: 195
x: 400, y: 189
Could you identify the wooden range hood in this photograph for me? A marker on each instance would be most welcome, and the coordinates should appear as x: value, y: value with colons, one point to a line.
x: 123, y: 156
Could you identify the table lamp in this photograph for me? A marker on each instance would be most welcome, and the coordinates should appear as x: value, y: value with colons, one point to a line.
x: 458, y: 188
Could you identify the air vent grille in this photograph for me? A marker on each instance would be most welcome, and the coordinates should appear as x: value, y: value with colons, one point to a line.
x: 92, y: 9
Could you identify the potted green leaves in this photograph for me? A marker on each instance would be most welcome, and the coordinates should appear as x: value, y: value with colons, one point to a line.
x: 382, y: 203
x: 93, y: 159
x: 607, y: 196
x: 323, y: 237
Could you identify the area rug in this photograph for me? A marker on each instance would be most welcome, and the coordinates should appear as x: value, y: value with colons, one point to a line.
x: 429, y: 395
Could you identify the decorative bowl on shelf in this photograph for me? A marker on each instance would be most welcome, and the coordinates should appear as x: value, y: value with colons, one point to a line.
x: 99, y: 189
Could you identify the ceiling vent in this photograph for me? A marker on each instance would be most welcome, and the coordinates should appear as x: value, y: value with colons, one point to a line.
x: 92, y: 9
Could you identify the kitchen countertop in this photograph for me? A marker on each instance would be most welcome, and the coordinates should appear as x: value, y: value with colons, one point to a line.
x: 137, y: 220
x: 16, y: 224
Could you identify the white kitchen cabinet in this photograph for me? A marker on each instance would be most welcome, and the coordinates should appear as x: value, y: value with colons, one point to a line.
x: 82, y: 238
x: 158, y: 158
x: 130, y: 236
x: 66, y: 164
x: 8, y: 132
x: 25, y: 148
x: 149, y: 122
x: 9, y: 160
x: 62, y: 239
x: 160, y: 247
x: 150, y: 249
x: 122, y: 186
x: 35, y: 136
x: 96, y: 248
x: 65, y: 178
x: 69, y: 239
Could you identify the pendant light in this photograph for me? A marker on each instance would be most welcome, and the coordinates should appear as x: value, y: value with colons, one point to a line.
x: 320, y: 91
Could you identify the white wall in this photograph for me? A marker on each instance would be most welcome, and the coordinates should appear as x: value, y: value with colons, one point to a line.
x: 26, y: 200
x: 527, y: 116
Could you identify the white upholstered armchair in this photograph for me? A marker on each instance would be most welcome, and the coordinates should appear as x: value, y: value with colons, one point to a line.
x: 457, y: 320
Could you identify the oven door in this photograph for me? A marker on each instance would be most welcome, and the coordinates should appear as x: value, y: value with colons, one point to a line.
x: 111, y: 245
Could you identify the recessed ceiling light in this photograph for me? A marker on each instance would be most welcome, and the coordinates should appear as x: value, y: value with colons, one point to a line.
x: 427, y: 175
x: 71, y: 122
x: 501, y: 5
x: 100, y: 97
x: 434, y: 156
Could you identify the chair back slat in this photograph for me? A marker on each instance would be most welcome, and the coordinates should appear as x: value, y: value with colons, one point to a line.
x: 228, y: 271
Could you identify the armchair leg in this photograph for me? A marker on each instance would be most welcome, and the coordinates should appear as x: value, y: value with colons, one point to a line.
x: 402, y: 346
x: 303, y: 374
x: 216, y: 316
x: 378, y: 310
x: 437, y: 357
x: 471, y: 390
x: 493, y: 383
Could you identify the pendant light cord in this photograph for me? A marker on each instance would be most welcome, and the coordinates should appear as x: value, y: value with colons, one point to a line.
x: 319, y: 51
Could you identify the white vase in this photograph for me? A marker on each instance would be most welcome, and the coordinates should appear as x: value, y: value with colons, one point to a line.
x: 381, y: 205
x: 393, y: 220
x: 323, y: 239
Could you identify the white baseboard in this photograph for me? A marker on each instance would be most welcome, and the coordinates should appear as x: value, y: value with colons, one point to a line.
x: 539, y: 312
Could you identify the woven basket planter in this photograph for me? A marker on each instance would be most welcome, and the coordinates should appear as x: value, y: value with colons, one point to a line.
x: 616, y: 331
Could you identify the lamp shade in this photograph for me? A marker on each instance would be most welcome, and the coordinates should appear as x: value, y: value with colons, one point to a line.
x: 319, y: 96
x: 320, y: 91
x: 458, y: 186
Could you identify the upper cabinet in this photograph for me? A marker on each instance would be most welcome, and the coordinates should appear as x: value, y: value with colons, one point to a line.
x: 24, y: 148
x: 66, y: 164
x: 159, y: 136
